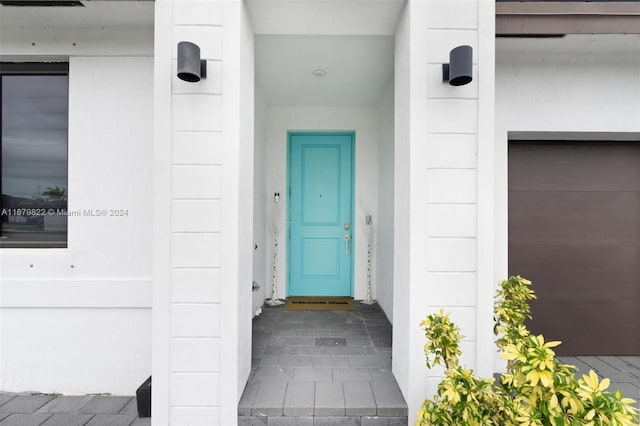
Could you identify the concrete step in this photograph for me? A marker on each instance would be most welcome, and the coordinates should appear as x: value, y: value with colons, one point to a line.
x: 322, y: 421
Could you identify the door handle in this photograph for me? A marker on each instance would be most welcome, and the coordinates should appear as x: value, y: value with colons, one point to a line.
x: 347, y: 238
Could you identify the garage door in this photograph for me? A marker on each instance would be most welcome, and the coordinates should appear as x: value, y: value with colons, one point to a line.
x: 574, y: 230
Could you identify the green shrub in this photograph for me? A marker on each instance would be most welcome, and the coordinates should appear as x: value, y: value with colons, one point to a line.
x: 536, y: 389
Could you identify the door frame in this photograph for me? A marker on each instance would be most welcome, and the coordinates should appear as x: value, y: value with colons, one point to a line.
x: 352, y: 135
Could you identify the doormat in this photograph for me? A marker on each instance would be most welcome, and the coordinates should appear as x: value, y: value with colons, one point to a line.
x: 299, y: 303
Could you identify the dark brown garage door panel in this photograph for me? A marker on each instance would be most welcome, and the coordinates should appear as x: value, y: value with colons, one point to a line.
x: 567, y: 273
x: 575, y: 217
x: 582, y: 335
x: 571, y: 166
x: 574, y: 229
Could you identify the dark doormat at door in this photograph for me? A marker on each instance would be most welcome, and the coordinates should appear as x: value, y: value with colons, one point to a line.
x: 299, y: 303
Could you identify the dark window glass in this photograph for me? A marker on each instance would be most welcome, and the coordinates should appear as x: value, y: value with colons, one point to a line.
x: 34, y: 124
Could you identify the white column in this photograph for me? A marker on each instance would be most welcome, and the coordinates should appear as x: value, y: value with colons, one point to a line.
x: 203, y: 223
x: 444, y: 200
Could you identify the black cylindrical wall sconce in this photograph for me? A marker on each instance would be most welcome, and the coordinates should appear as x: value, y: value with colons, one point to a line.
x: 459, y: 70
x: 190, y: 67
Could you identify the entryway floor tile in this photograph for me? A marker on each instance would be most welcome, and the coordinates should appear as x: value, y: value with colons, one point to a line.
x: 322, y: 368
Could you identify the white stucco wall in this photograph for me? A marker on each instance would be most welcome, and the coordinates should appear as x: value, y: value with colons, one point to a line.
x: 261, y: 265
x: 578, y: 87
x: 78, y: 320
x: 364, y: 121
x: 383, y: 241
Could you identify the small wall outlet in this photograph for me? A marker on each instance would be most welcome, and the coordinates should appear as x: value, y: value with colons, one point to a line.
x: 368, y: 219
x: 276, y: 197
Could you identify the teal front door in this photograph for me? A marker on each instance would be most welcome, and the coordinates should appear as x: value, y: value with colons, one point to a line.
x: 320, y: 214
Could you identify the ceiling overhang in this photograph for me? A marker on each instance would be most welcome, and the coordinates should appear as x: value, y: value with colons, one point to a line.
x: 325, y: 17
x: 567, y: 17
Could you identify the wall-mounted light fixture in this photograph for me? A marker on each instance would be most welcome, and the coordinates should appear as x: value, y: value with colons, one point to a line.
x: 190, y: 67
x: 459, y: 70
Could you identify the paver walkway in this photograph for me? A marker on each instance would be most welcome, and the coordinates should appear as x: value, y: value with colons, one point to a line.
x: 309, y: 368
x: 322, y: 368
x: 623, y: 371
x: 58, y: 410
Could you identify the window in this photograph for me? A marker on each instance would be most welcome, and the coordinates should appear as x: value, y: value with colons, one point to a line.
x: 33, y: 150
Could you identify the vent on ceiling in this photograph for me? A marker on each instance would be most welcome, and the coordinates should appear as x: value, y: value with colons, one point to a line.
x: 42, y: 3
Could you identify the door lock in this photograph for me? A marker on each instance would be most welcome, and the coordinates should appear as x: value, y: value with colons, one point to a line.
x: 347, y: 226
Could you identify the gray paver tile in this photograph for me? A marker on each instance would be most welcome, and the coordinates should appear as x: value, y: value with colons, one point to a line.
x: 252, y: 421
x: 142, y: 421
x: 381, y: 342
x: 283, y: 350
x: 331, y: 341
x: 6, y: 397
x: 365, y: 361
x: 105, y: 404
x: 112, y: 420
x: 68, y: 420
x: 354, y: 350
x: 386, y: 362
x: 21, y: 419
x: 351, y: 375
x: 292, y: 341
x: 313, y: 350
x: 622, y: 377
x: 384, y: 352
x: 632, y: 360
x: 292, y: 337
x: 325, y: 332
x: 130, y: 408
x: 4, y: 415
x: 269, y: 399
x: 290, y: 421
x: 287, y: 332
x: 65, y: 404
x: 389, y: 399
x: 358, y: 399
x: 617, y: 363
x: 26, y: 404
x: 628, y: 390
x: 331, y: 361
x: 379, y: 331
x: 273, y: 374
x: 321, y: 350
x: 246, y: 401
x: 384, y: 421
x: 381, y: 375
x: 359, y: 341
x: 307, y: 374
x: 329, y: 399
x: 336, y: 421
x: 353, y: 332
x: 598, y: 365
x: 295, y: 361
x: 299, y: 399
x: 268, y: 361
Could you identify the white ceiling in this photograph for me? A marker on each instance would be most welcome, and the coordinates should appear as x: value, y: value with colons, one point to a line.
x: 352, y: 40
x: 358, y: 69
